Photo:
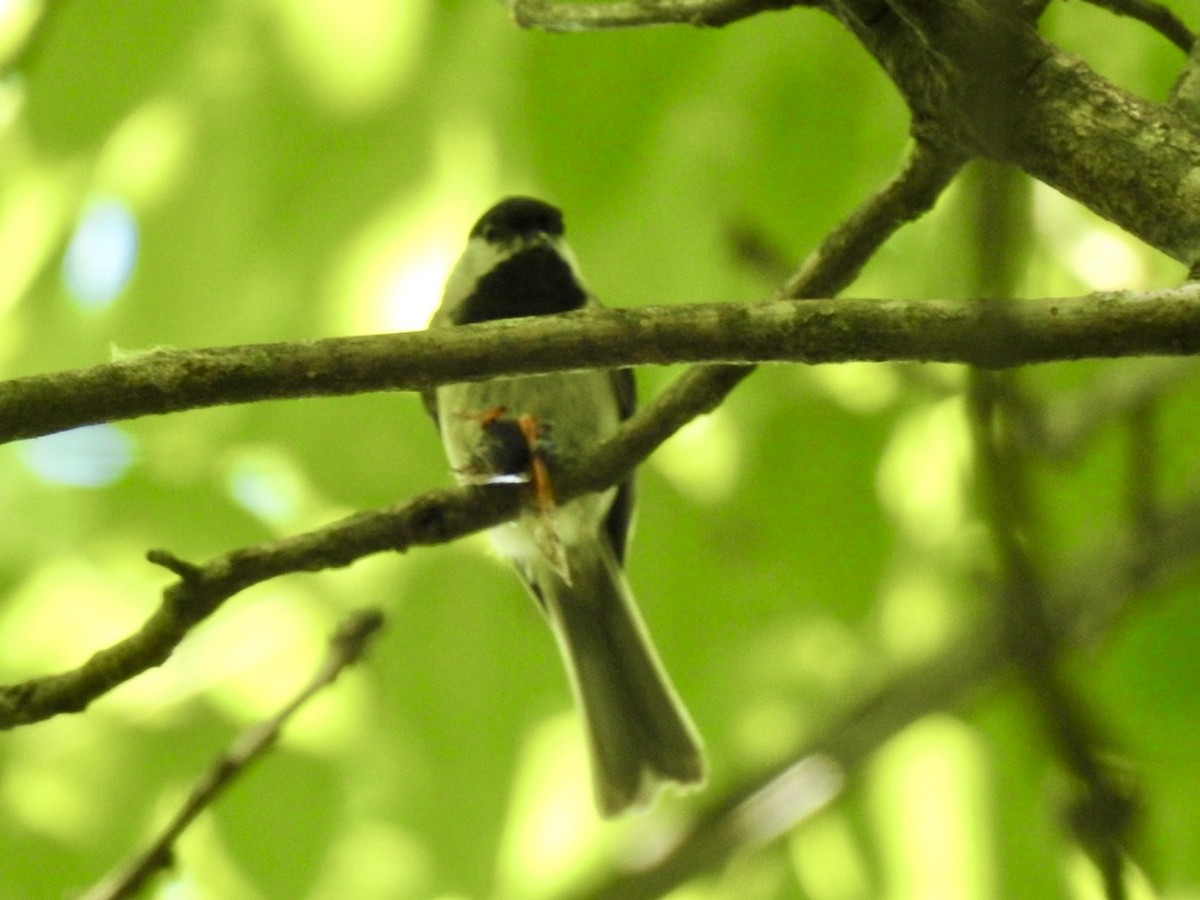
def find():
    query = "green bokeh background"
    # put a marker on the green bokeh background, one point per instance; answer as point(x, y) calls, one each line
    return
point(305, 169)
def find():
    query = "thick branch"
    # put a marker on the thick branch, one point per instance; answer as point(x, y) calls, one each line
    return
point(988, 334)
point(1135, 163)
point(979, 78)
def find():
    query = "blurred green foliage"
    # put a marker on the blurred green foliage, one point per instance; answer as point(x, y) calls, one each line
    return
point(302, 169)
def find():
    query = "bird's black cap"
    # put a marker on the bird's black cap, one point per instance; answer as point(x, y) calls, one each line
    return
point(516, 217)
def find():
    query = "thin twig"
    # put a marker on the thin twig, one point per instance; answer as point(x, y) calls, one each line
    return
point(433, 517)
point(175, 380)
point(346, 646)
point(547, 15)
point(839, 259)
point(1156, 16)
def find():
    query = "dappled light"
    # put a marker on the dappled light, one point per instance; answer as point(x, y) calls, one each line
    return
point(93, 456)
point(548, 838)
point(924, 476)
point(932, 778)
point(703, 459)
point(102, 253)
point(1091, 250)
point(267, 483)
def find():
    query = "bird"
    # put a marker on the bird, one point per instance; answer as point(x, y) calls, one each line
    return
point(640, 736)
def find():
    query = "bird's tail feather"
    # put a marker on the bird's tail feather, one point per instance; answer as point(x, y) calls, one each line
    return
point(639, 734)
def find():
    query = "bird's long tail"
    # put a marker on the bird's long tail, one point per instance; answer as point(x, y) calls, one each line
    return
point(639, 734)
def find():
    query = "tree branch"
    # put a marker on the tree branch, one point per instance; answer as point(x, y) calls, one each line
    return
point(547, 15)
point(1185, 92)
point(839, 259)
point(346, 646)
point(1156, 16)
point(980, 79)
point(992, 334)
point(431, 518)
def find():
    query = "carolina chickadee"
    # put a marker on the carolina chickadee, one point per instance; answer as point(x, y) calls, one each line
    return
point(517, 263)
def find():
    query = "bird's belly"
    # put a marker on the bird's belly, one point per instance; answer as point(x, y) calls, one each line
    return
point(574, 412)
